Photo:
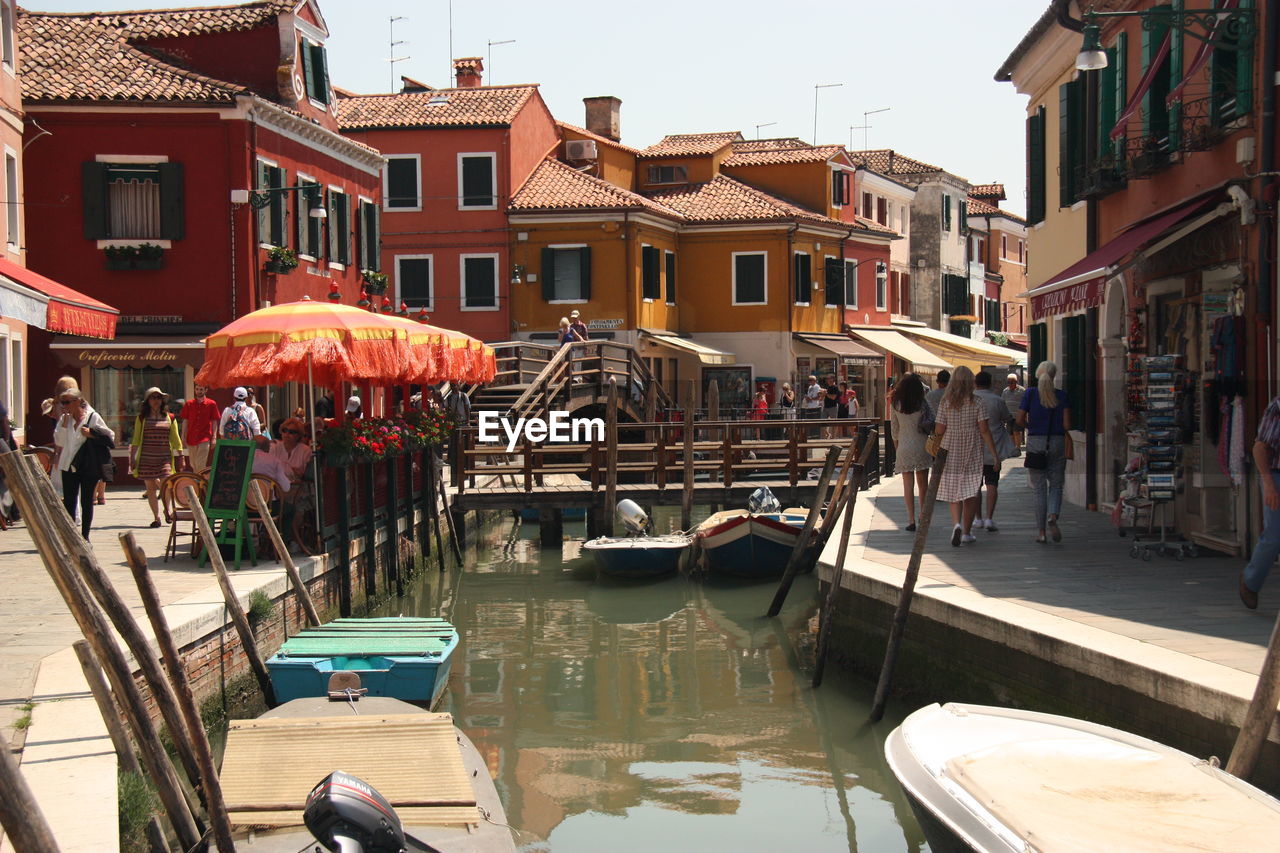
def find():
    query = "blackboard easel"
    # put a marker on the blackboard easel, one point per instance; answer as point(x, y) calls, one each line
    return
point(224, 497)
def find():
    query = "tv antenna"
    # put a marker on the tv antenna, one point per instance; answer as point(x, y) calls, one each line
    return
point(392, 59)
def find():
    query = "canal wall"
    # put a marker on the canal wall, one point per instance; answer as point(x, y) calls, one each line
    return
point(963, 646)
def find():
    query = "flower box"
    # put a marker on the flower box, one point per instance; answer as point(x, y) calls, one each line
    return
point(278, 267)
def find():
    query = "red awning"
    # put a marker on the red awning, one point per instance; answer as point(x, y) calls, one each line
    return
point(70, 311)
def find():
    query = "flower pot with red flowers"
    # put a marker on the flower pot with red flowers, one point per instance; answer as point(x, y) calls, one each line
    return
point(281, 260)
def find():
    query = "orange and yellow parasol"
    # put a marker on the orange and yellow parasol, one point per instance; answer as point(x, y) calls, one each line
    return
point(443, 355)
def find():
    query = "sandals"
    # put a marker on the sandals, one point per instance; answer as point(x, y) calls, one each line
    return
point(155, 523)
point(1054, 532)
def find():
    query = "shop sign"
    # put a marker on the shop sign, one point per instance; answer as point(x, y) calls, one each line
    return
point(1086, 294)
point(605, 324)
point(75, 320)
point(126, 357)
point(139, 319)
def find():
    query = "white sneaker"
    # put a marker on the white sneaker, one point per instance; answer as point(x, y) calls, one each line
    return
point(969, 539)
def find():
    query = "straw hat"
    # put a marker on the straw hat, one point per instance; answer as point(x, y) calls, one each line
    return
point(164, 398)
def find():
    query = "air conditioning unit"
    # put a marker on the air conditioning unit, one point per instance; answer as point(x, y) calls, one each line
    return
point(580, 149)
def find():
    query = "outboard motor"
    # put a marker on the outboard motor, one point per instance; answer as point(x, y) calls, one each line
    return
point(763, 501)
point(633, 517)
point(347, 815)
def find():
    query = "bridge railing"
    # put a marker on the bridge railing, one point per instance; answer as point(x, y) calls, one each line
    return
point(585, 370)
point(656, 453)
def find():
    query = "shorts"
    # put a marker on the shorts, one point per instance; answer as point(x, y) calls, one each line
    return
point(990, 475)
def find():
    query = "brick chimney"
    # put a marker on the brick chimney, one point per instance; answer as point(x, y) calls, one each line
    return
point(467, 70)
point(602, 116)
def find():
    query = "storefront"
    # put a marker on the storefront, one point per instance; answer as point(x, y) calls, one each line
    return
point(903, 354)
point(672, 357)
point(856, 363)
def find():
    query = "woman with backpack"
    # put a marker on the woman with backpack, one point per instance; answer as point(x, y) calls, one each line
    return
point(155, 446)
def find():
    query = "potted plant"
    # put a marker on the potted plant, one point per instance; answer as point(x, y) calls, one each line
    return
point(149, 257)
point(281, 259)
point(121, 257)
point(375, 282)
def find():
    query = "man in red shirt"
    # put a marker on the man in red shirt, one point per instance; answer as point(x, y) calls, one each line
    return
point(199, 414)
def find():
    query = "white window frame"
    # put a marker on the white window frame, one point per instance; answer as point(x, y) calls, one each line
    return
point(253, 180)
point(462, 282)
point(493, 174)
point(733, 273)
point(9, 37)
point(850, 305)
point(809, 288)
point(13, 201)
point(566, 301)
point(882, 286)
point(431, 277)
point(386, 183)
point(300, 199)
point(644, 298)
point(666, 285)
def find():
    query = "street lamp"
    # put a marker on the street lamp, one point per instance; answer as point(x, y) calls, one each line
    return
point(258, 199)
point(1229, 29)
point(816, 87)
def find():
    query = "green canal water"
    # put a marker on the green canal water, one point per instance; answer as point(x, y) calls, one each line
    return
point(664, 716)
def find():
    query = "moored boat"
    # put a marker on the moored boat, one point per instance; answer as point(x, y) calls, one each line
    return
point(638, 556)
point(428, 771)
point(750, 544)
point(399, 657)
point(999, 780)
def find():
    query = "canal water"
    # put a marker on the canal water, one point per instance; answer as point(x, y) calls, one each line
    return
point(664, 716)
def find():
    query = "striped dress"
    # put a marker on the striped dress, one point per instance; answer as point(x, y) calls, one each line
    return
point(155, 456)
point(962, 476)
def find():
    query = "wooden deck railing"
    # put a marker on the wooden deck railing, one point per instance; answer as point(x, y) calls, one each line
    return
point(557, 375)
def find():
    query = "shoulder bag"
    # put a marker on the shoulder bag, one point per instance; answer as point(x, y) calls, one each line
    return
point(1038, 460)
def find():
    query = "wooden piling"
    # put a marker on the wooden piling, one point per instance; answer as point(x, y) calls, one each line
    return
point(433, 500)
point(51, 528)
point(908, 587)
point(802, 542)
point(393, 531)
point(1261, 714)
point(241, 622)
point(455, 533)
point(111, 712)
point(370, 536)
point(290, 568)
point(344, 542)
point(20, 814)
point(686, 500)
point(611, 454)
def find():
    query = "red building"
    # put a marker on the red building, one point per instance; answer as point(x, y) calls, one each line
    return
point(169, 156)
point(454, 159)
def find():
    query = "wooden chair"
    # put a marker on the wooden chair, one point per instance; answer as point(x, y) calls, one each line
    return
point(173, 495)
point(44, 455)
point(275, 509)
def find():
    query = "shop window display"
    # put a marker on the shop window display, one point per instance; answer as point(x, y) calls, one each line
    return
point(116, 394)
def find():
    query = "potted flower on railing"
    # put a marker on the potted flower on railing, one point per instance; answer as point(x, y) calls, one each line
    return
point(121, 257)
point(281, 259)
point(149, 257)
point(374, 439)
point(375, 282)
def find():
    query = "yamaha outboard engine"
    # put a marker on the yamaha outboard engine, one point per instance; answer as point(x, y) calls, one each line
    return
point(763, 501)
point(633, 517)
point(347, 815)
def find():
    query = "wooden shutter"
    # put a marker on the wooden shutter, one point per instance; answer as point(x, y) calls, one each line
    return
point(584, 267)
point(904, 294)
point(172, 208)
point(1120, 94)
point(477, 181)
point(279, 208)
point(749, 278)
point(946, 212)
point(304, 47)
point(1175, 77)
point(1037, 348)
point(1244, 70)
point(320, 71)
point(833, 278)
point(373, 227)
point(651, 285)
point(548, 274)
point(315, 227)
point(1070, 141)
point(955, 294)
point(802, 273)
point(882, 211)
point(93, 190)
point(671, 277)
point(1035, 167)
point(402, 182)
point(300, 223)
point(962, 220)
point(335, 226)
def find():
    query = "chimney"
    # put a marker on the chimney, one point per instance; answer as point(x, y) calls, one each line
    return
point(602, 116)
point(467, 70)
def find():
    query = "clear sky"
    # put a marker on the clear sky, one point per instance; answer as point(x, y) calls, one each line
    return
point(685, 67)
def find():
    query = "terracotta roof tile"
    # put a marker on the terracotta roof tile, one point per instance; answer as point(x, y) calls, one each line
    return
point(889, 162)
point(989, 191)
point(769, 144)
point(722, 199)
point(691, 144)
point(873, 226)
point(553, 186)
point(173, 23)
point(81, 58)
point(980, 207)
point(775, 155)
point(582, 131)
point(471, 106)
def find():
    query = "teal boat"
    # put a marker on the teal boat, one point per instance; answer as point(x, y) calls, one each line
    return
point(400, 657)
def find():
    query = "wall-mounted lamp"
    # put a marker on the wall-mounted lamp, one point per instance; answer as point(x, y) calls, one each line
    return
point(258, 199)
point(1229, 29)
point(517, 273)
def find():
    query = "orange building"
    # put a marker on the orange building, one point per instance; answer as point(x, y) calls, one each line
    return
point(997, 241)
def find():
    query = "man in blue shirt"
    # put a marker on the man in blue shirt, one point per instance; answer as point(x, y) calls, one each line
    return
point(1266, 455)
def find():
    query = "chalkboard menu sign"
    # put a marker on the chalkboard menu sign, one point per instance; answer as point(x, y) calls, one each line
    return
point(229, 479)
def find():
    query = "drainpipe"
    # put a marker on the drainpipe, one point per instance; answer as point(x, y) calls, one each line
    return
point(1092, 118)
point(791, 294)
point(255, 270)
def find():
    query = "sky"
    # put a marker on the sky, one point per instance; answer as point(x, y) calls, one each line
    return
point(696, 66)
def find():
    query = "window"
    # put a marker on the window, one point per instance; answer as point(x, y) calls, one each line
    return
point(963, 218)
point(310, 230)
point(882, 287)
point(904, 218)
point(667, 174)
point(272, 219)
point(650, 273)
point(1004, 246)
point(955, 294)
point(993, 315)
point(369, 231)
point(946, 212)
point(1020, 259)
point(339, 227)
point(6, 33)
point(866, 206)
point(1035, 167)
point(750, 286)
point(904, 294)
point(13, 217)
point(414, 281)
point(479, 282)
point(1070, 141)
point(850, 283)
point(841, 193)
point(802, 271)
point(114, 391)
point(566, 273)
point(834, 276)
point(1037, 346)
point(401, 187)
point(132, 201)
point(315, 71)
point(476, 180)
point(17, 387)
point(1159, 121)
point(882, 210)
point(1111, 96)
point(1230, 74)
point(671, 278)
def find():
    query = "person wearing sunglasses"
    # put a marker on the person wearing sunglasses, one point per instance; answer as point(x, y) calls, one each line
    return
point(84, 443)
point(155, 448)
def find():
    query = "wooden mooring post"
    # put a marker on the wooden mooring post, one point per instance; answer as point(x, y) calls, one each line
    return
point(611, 454)
point(290, 568)
point(802, 541)
point(20, 814)
point(1261, 713)
point(899, 625)
point(344, 543)
point(686, 500)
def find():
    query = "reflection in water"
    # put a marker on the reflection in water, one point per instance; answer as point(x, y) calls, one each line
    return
point(665, 715)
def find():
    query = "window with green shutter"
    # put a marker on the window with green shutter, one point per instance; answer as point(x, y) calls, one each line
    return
point(1075, 351)
point(479, 282)
point(339, 225)
point(273, 219)
point(476, 181)
point(1037, 348)
point(1035, 167)
point(1230, 74)
point(955, 294)
point(566, 273)
point(308, 230)
point(1155, 115)
point(414, 281)
point(402, 187)
point(802, 277)
point(133, 201)
point(370, 236)
point(946, 212)
point(650, 273)
point(671, 278)
point(315, 70)
point(833, 277)
point(1071, 148)
point(749, 283)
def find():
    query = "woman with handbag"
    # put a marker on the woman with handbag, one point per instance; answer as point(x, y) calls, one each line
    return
point(84, 443)
point(907, 417)
point(154, 448)
point(1045, 415)
point(962, 427)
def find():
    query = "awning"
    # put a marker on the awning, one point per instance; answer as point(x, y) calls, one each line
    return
point(898, 344)
point(992, 353)
point(131, 351)
point(1080, 285)
point(23, 303)
point(848, 349)
point(705, 354)
point(69, 311)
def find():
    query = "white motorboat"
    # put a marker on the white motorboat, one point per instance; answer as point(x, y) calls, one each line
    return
point(999, 780)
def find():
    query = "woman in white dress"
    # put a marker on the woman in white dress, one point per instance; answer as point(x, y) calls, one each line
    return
point(911, 460)
point(962, 424)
